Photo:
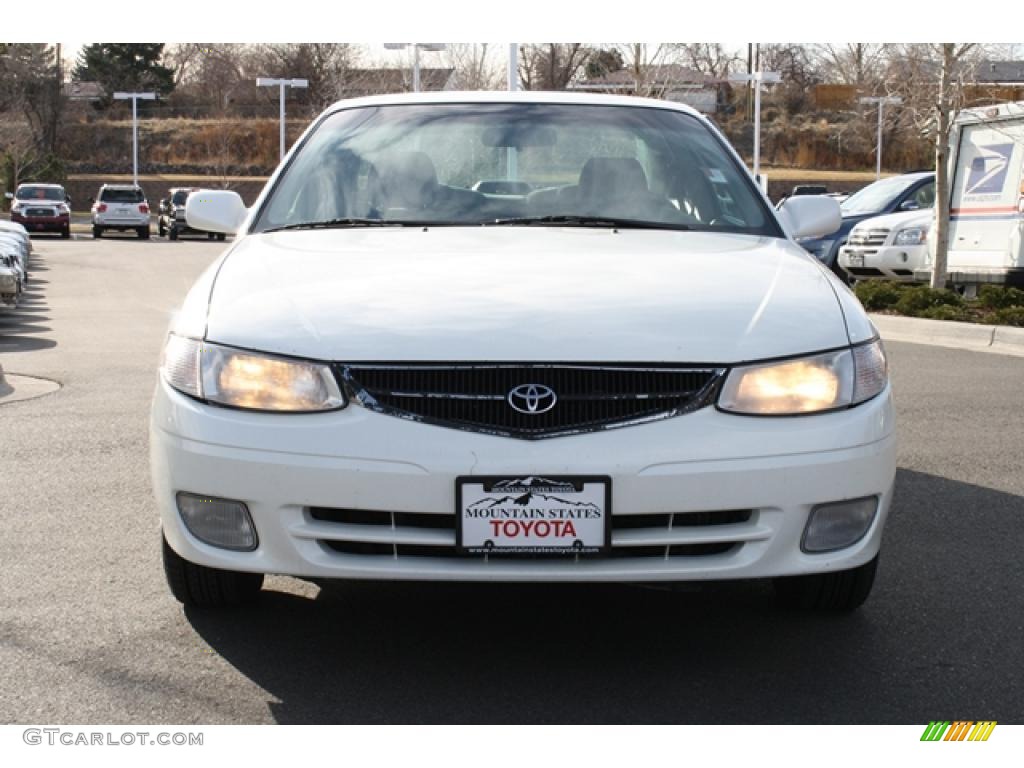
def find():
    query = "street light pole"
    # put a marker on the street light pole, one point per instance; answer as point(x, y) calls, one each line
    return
point(281, 83)
point(513, 66)
point(757, 78)
point(134, 97)
point(881, 101)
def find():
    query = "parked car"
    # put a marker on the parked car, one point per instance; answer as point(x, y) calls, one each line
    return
point(890, 247)
point(11, 244)
point(986, 151)
point(121, 207)
point(18, 232)
point(909, 192)
point(11, 282)
point(171, 220)
point(615, 379)
point(41, 208)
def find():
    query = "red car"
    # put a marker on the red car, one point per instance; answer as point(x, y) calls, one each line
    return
point(42, 208)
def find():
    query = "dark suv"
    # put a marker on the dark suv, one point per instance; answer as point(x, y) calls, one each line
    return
point(41, 208)
point(171, 221)
point(909, 192)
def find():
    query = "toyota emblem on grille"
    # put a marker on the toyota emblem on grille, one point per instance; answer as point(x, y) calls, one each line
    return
point(532, 398)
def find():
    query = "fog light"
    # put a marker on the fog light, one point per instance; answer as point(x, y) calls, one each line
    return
point(839, 524)
point(218, 522)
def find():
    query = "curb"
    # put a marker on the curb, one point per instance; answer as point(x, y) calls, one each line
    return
point(998, 339)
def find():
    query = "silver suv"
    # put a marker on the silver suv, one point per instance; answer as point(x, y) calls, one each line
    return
point(121, 207)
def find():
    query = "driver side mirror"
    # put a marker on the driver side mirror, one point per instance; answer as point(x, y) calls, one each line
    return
point(9, 195)
point(810, 216)
point(215, 211)
point(910, 205)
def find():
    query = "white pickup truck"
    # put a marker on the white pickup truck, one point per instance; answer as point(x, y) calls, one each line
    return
point(986, 206)
point(889, 247)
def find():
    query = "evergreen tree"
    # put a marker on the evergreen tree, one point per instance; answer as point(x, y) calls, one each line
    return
point(124, 67)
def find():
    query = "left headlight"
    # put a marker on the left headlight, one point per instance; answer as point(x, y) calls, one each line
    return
point(250, 380)
point(911, 236)
point(813, 384)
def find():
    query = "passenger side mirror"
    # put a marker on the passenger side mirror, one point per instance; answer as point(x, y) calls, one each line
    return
point(810, 216)
point(215, 211)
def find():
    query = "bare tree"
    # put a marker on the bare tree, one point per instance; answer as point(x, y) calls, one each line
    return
point(474, 65)
point(712, 59)
point(31, 95)
point(324, 65)
point(932, 79)
point(649, 66)
point(860, 64)
point(551, 66)
point(953, 56)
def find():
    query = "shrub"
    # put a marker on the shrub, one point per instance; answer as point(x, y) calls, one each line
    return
point(1000, 297)
point(916, 300)
point(877, 294)
point(1011, 316)
point(945, 312)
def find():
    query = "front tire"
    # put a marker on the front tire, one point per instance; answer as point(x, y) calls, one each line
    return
point(835, 591)
point(199, 586)
point(65, 233)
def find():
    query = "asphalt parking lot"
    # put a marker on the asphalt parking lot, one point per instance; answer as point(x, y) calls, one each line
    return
point(90, 634)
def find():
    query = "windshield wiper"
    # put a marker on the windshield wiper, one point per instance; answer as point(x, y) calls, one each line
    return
point(609, 222)
point(349, 222)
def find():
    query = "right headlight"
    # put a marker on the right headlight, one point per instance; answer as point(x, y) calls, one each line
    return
point(251, 380)
point(911, 236)
point(813, 384)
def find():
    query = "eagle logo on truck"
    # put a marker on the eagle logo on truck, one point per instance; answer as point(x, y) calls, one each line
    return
point(988, 170)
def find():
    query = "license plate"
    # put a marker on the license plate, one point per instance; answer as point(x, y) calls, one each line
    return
point(533, 514)
point(855, 259)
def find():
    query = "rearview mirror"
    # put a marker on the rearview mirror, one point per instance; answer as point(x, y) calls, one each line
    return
point(215, 211)
point(518, 136)
point(810, 216)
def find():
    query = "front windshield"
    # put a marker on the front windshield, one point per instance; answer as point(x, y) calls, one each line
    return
point(40, 193)
point(515, 164)
point(874, 198)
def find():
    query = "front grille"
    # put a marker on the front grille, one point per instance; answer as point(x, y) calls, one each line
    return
point(47, 212)
point(478, 397)
point(379, 533)
point(873, 237)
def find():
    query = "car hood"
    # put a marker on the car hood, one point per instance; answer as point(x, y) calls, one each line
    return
point(898, 220)
point(523, 294)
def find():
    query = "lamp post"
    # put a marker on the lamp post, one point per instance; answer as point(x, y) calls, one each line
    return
point(416, 48)
point(757, 78)
point(881, 101)
point(513, 66)
point(282, 83)
point(134, 97)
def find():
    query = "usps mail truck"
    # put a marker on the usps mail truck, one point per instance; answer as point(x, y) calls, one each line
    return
point(986, 207)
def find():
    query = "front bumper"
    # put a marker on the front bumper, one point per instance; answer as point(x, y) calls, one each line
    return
point(43, 223)
point(892, 262)
point(283, 466)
